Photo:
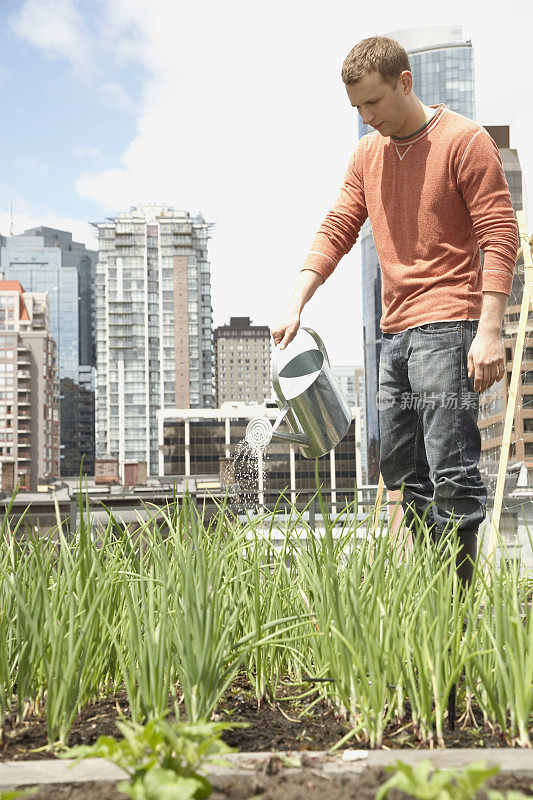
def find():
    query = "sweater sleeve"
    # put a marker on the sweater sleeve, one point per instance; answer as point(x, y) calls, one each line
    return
point(340, 229)
point(483, 186)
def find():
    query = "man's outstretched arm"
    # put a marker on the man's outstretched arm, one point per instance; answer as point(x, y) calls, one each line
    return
point(285, 329)
point(335, 238)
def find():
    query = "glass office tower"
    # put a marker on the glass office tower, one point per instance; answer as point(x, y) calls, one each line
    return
point(442, 62)
point(47, 260)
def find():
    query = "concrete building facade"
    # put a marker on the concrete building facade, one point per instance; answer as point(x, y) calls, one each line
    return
point(242, 361)
point(29, 395)
point(206, 442)
point(153, 327)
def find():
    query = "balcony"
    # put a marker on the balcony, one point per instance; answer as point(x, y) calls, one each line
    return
point(122, 310)
point(24, 374)
point(124, 239)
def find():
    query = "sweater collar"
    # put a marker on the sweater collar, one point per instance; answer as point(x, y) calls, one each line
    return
point(424, 130)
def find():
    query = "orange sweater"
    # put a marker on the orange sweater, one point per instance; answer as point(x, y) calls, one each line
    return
point(433, 200)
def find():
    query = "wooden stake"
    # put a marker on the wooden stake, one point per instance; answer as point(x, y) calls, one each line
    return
point(527, 299)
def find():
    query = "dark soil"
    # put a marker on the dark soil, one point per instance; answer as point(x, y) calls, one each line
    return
point(283, 725)
point(288, 784)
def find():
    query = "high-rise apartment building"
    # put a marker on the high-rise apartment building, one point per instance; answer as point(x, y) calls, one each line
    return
point(153, 327)
point(29, 415)
point(442, 62)
point(242, 361)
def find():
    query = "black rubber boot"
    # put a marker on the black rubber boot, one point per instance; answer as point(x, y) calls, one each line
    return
point(466, 556)
point(465, 568)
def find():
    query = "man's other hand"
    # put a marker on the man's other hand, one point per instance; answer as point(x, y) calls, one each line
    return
point(485, 360)
point(286, 328)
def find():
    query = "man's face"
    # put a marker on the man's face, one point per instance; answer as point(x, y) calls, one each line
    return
point(381, 106)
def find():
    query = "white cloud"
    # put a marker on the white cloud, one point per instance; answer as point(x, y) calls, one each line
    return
point(29, 215)
point(94, 44)
point(57, 28)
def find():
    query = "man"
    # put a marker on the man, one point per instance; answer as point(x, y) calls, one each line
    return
point(432, 184)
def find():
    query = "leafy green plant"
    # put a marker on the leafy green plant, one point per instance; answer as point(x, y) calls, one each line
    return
point(18, 794)
point(447, 784)
point(162, 759)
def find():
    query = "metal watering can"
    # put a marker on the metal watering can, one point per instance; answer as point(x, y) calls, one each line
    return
point(310, 400)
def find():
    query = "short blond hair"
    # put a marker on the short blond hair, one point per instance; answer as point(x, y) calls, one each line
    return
point(375, 54)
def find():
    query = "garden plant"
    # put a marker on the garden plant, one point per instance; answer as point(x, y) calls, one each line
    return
point(173, 608)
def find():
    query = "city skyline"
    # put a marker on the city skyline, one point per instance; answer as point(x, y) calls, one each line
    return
point(218, 126)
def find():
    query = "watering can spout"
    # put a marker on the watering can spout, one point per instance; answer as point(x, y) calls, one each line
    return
point(260, 432)
point(293, 438)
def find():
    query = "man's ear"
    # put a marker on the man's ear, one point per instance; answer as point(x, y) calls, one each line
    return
point(406, 79)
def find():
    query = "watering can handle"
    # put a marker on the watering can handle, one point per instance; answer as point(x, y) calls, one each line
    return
point(314, 335)
point(319, 342)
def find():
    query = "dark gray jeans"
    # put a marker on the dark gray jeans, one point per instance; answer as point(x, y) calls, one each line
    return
point(429, 437)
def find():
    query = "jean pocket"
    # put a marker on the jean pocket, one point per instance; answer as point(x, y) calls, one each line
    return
point(440, 327)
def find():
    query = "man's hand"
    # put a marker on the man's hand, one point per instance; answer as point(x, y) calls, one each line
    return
point(285, 330)
point(485, 360)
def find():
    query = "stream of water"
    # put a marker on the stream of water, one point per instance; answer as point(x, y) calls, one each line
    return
point(245, 476)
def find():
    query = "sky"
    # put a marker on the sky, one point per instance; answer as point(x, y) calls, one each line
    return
point(233, 109)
